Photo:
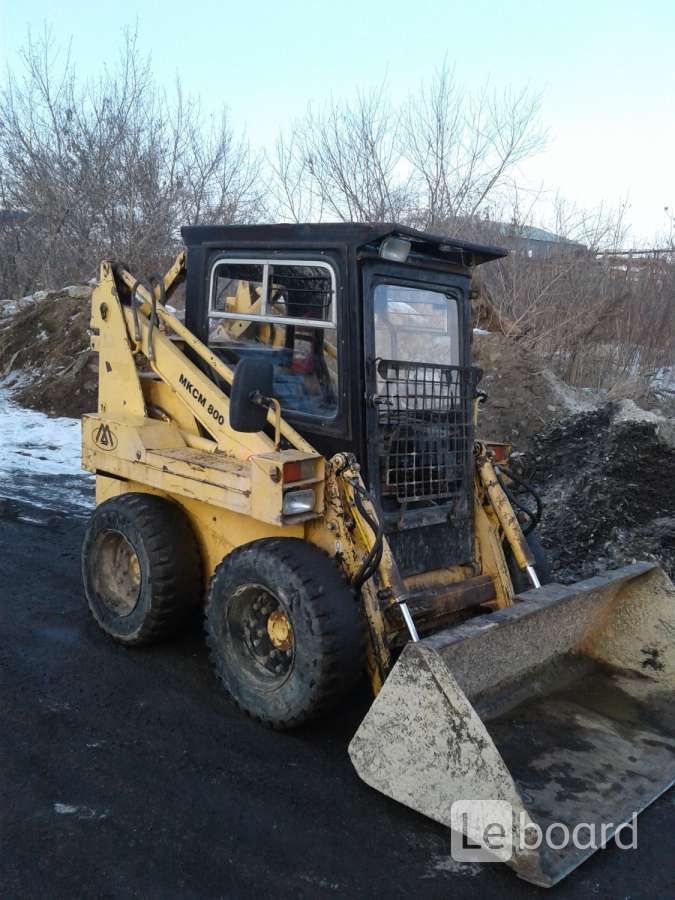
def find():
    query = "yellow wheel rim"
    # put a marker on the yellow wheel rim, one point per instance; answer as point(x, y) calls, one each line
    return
point(279, 630)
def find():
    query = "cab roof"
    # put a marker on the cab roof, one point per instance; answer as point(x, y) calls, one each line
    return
point(357, 235)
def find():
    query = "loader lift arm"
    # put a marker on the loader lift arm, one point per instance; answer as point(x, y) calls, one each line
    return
point(165, 360)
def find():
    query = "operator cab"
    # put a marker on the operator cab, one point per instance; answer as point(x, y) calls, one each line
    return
point(368, 329)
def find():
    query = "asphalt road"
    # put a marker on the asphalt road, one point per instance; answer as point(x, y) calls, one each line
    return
point(127, 773)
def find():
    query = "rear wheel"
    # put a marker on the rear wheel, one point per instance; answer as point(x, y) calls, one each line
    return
point(286, 634)
point(141, 568)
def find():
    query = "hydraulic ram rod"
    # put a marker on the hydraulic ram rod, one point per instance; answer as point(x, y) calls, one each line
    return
point(507, 518)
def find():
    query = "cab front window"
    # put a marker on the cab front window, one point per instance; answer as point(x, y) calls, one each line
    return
point(416, 325)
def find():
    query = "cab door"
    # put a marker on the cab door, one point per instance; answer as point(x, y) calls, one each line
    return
point(419, 391)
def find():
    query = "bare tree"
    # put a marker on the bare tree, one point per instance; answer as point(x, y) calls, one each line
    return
point(600, 316)
point(437, 162)
point(111, 167)
point(343, 161)
point(296, 200)
point(463, 148)
point(115, 166)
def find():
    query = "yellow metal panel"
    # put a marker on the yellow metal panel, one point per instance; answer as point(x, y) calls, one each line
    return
point(208, 404)
point(155, 452)
point(119, 391)
point(169, 483)
point(177, 484)
point(127, 438)
point(268, 487)
point(161, 398)
point(222, 468)
point(491, 556)
point(176, 273)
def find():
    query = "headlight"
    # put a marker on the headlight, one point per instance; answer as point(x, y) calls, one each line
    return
point(395, 248)
point(298, 502)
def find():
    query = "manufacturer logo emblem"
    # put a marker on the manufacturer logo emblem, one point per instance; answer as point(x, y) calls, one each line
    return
point(104, 437)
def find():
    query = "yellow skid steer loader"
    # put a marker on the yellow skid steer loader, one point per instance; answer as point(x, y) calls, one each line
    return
point(301, 449)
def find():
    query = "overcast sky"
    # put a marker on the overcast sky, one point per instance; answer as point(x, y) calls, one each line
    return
point(606, 69)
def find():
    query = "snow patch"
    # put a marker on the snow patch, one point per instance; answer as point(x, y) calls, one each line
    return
point(30, 439)
point(571, 398)
point(82, 812)
point(64, 809)
point(629, 411)
point(664, 379)
point(40, 456)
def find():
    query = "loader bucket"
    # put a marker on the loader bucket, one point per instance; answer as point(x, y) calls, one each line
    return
point(561, 706)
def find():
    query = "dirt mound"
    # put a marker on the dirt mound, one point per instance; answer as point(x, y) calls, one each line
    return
point(45, 359)
point(523, 395)
point(605, 479)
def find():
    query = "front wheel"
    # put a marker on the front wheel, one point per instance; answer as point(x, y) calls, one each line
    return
point(285, 632)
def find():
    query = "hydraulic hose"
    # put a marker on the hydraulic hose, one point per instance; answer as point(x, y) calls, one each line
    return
point(154, 319)
point(534, 518)
point(134, 312)
point(374, 556)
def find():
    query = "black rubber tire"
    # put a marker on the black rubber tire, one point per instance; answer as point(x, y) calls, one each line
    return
point(170, 576)
point(328, 631)
point(542, 566)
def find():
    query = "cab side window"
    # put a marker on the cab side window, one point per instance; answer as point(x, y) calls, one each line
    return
point(283, 311)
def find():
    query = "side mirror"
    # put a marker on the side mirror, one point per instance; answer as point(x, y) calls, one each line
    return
point(253, 380)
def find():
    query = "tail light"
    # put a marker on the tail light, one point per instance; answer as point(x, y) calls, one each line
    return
point(298, 470)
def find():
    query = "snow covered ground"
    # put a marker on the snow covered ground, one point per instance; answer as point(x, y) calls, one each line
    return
point(40, 460)
point(664, 379)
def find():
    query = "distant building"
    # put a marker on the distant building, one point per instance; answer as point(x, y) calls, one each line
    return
point(525, 240)
point(538, 243)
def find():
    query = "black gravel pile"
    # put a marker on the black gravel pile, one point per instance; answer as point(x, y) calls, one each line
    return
point(608, 490)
